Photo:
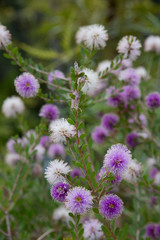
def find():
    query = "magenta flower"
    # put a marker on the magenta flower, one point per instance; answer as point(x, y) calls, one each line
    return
point(55, 150)
point(44, 141)
point(59, 191)
point(111, 206)
point(27, 85)
point(150, 230)
point(99, 134)
point(110, 120)
point(49, 111)
point(79, 200)
point(76, 172)
point(132, 139)
point(153, 100)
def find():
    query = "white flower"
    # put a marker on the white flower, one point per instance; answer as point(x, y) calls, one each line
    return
point(12, 106)
point(12, 159)
point(152, 43)
point(130, 47)
point(151, 162)
point(5, 36)
point(102, 66)
point(143, 135)
point(92, 229)
point(55, 170)
point(91, 82)
point(61, 213)
point(39, 152)
point(157, 179)
point(61, 130)
point(133, 172)
point(93, 36)
point(141, 71)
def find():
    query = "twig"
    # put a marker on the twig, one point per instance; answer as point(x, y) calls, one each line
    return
point(8, 225)
point(45, 234)
point(109, 228)
point(138, 212)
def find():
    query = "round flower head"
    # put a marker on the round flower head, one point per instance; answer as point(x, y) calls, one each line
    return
point(5, 36)
point(132, 139)
point(117, 159)
point(44, 141)
point(11, 145)
point(61, 213)
point(153, 100)
point(142, 72)
point(111, 206)
point(99, 134)
point(134, 171)
point(152, 43)
point(157, 231)
point(102, 66)
point(49, 111)
point(56, 150)
point(115, 98)
point(92, 229)
point(76, 172)
point(92, 36)
point(110, 120)
point(27, 85)
point(91, 83)
point(12, 106)
point(130, 93)
point(61, 130)
point(55, 171)
point(130, 47)
point(150, 230)
point(78, 200)
point(59, 191)
point(130, 76)
point(104, 173)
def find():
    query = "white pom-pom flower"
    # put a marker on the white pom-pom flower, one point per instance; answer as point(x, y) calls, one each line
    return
point(5, 36)
point(134, 171)
point(92, 36)
point(130, 47)
point(152, 43)
point(141, 71)
point(55, 171)
point(91, 82)
point(60, 130)
point(12, 106)
point(61, 213)
point(92, 229)
point(102, 66)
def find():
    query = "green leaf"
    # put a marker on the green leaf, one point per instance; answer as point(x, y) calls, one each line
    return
point(70, 121)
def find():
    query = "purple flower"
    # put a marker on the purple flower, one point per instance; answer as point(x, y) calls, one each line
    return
point(143, 119)
point(59, 191)
point(99, 134)
point(76, 172)
point(115, 99)
point(150, 230)
point(44, 141)
point(131, 93)
point(132, 139)
point(92, 229)
point(153, 201)
point(111, 206)
point(26, 85)
point(49, 111)
point(10, 145)
point(157, 231)
point(153, 172)
point(105, 173)
point(55, 74)
point(56, 150)
point(79, 200)
point(130, 75)
point(117, 158)
point(110, 120)
point(153, 100)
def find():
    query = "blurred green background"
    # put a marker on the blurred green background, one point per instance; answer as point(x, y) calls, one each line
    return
point(45, 31)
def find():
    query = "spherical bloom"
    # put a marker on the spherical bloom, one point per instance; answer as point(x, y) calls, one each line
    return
point(10, 145)
point(130, 47)
point(37, 170)
point(157, 231)
point(93, 36)
point(59, 191)
point(110, 120)
point(61, 130)
point(12, 106)
point(79, 200)
point(153, 100)
point(130, 76)
point(134, 171)
point(111, 206)
point(92, 229)
point(115, 98)
point(104, 173)
point(99, 134)
point(117, 159)
point(44, 141)
point(56, 150)
point(141, 71)
point(152, 43)
point(26, 85)
point(55, 171)
point(61, 213)
point(12, 159)
point(130, 93)
point(39, 152)
point(76, 172)
point(102, 66)
point(126, 63)
point(91, 83)
point(5, 36)
point(49, 111)
point(132, 139)
point(153, 172)
point(150, 230)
